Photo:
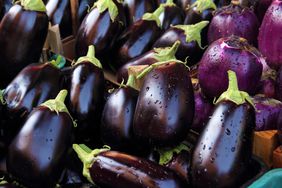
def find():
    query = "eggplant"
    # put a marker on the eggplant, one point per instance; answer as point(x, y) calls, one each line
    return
point(184, 4)
point(101, 26)
point(138, 38)
point(41, 145)
point(148, 58)
point(7, 4)
point(234, 20)
point(83, 8)
point(231, 53)
point(135, 9)
point(115, 169)
point(87, 95)
point(23, 31)
point(7, 185)
point(190, 38)
point(224, 150)
point(269, 40)
point(165, 107)
point(278, 85)
point(59, 13)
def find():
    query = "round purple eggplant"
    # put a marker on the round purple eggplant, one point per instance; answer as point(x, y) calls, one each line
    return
point(114, 169)
point(165, 107)
point(23, 31)
point(234, 20)
point(190, 38)
point(87, 95)
point(224, 149)
point(100, 28)
point(36, 156)
point(231, 53)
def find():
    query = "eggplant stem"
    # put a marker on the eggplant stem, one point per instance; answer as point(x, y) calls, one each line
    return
point(33, 5)
point(155, 15)
point(202, 5)
point(90, 57)
point(57, 62)
point(164, 54)
point(62, 96)
point(131, 81)
point(2, 100)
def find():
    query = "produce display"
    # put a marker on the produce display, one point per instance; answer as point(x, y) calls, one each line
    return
point(140, 93)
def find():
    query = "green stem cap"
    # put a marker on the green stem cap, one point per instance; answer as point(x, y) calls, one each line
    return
point(90, 57)
point(155, 15)
point(166, 155)
point(202, 5)
point(2, 101)
point(103, 5)
point(33, 5)
point(233, 93)
point(131, 81)
point(164, 54)
point(193, 32)
point(59, 62)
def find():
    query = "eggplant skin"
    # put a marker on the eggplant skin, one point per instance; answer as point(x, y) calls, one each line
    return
point(113, 169)
point(22, 36)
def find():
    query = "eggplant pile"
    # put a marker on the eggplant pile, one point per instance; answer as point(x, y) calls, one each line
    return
point(146, 93)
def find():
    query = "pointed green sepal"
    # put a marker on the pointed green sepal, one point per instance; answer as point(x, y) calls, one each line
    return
point(202, 5)
point(164, 54)
point(88, 157)
point(131, 81)
point(33, 5)
point(166, 155)
point(103, 5)
point(233, 93)
point(154, 16)
point(193, 32)
point(90, 57)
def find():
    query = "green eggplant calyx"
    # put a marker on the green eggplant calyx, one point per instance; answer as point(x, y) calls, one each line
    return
point(88, 157)
point(155, 15)
point(131, 81)
point(90, 57)
point(193, 32)
point(103, 5)
point(233, 93)
point(164, 54)
point(166, 155)
point(2, 100)
point(33, 5)
point(59, 62)
point(202, 5)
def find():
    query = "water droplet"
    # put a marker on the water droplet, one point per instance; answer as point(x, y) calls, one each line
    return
point(205, 170)
point(212, 159)
point(204, 147)
point(233, 149)
point(147, 88)
point(227, 131)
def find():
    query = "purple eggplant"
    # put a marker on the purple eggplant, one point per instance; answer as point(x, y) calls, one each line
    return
point(224, 149)
point(83, 8)
point(278, 85)
point(23, 31)
point(184, 4)
point(87, 95)
point(150, 57)
point(261, 8)
point(7, 4)
point(41, 145)
point(270, 38)
point(165, 107)
point(114, 169)
point(101, 26)
point(231, 53)
point(4, 184)
point(190, 38)
point(267, 87)
point(234, 20)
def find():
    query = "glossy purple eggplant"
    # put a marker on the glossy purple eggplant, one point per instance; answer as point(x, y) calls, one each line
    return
point(224, 150)
point(87, 95)
point(190, 38)
point(184, 4)
point(23, 31)
point(114, 169)
point(101, 26)
point(59, 13)
point(83, 8)
point(36, 156)
point(165, 106)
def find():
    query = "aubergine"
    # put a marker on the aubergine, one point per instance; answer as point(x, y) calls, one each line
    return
point(83, 8)
point(59, 13)
point(23, 31)
point(101, 26)
point(165, 107)
point(278, 85)
point(115, 169)
point(224, 150)
point(41, 146)
point(87, 95)
point(190, 38)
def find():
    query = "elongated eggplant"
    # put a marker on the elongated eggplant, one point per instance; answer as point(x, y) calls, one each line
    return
point(165, 106)
point(190, 38)
point(83, 8)
point(114, 169)
point(59, 12)
point(23, 32)
point(100, 28)
point(151, 57)
point(138, 38)
point(36, 155)
point(87, 95)
point(223, 153)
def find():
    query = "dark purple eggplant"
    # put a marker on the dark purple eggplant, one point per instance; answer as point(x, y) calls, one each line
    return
point(87, 95)
point(190, 38)
point(151, 57)
point(59, 13)
point(224, 150)
point(7, 4)
point(4, 184)
point(83, 8)
point(222, 3)
point(165, 106)
point(23, 31)
point(184, 4)
point(101, 26)
point(135, 9)
point(36, 156)
point(278, 85)
point(114, 169)
point(267, 87)
point(138, 38)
